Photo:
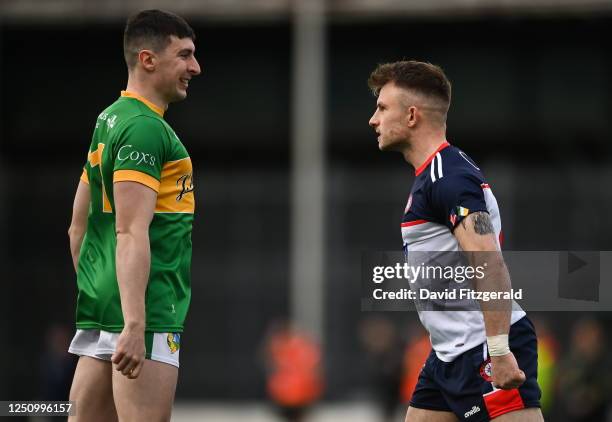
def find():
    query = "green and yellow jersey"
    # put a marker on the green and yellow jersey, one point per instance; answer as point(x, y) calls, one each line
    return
point(132, 142)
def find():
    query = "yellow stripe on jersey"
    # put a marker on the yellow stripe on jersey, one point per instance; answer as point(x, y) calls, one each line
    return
point(136, 176)
point(84, 177)
point(176, 189)
point(95, 159)
point(95, 156)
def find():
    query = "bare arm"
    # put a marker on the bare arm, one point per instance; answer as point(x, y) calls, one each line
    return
point(477, 238)
point(134, 208)
point(78, 225)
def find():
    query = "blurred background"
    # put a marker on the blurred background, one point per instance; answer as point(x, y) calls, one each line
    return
point(291, 188)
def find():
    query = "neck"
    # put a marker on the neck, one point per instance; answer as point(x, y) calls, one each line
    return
point(420, 149)
point(137, 86)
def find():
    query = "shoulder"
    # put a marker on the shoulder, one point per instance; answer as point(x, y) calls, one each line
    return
point(453, 172)
point(446, 163)
point(143, 126)
point(144, 122)
point(453, 162)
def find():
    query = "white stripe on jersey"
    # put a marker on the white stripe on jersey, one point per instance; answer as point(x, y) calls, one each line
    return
point(431, 171)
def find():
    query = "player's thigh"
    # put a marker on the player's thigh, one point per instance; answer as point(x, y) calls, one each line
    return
point(92, 391)
point(532, 414)
point(425, 415)
point(149, 397)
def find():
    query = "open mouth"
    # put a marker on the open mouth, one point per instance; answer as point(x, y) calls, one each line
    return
point(184, 81)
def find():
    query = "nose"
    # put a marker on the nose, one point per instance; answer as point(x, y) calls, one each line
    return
point(194, 67)
point(373, 121)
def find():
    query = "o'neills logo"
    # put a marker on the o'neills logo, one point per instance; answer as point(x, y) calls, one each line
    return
point(185, 182)
point(472, 412)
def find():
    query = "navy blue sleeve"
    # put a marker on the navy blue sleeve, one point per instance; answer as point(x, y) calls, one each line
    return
point(455, 196)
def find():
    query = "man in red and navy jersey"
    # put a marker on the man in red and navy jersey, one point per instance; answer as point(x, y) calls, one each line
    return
point(483, 364)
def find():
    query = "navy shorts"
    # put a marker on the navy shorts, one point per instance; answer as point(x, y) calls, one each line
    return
point(464, 386)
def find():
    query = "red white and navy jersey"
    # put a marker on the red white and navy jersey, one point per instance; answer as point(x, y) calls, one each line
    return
point(447, 188)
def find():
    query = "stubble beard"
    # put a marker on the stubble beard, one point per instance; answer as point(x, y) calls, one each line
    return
point(176, 94)
point(396, 144)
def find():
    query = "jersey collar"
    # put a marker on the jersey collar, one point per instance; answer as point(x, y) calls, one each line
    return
point(431, 157)
point(142, 99)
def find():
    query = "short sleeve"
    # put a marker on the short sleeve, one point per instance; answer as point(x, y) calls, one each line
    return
point(139, 152)
point(454, 197)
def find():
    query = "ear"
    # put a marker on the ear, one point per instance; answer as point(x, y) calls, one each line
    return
point(147, 59)
point(411, 116)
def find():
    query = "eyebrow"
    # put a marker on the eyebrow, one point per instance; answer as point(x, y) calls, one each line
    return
point(186, 50)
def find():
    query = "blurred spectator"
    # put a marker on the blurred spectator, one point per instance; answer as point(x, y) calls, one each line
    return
point(415, 355)
point(384, 350)
point(57, 365)
point(584, 385)
point(294, 380)
point(548, 355)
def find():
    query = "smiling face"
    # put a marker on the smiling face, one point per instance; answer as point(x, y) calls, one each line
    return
point(392, 118)
point(174, 68)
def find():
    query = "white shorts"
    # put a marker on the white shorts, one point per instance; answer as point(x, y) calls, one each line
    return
point(99, 344)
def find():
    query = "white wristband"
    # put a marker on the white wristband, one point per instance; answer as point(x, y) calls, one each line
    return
point(498, 345)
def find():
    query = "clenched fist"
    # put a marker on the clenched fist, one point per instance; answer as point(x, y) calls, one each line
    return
point(505, 372)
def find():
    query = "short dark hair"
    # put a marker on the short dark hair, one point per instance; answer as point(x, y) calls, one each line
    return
point(151, 29)
point(424, 78)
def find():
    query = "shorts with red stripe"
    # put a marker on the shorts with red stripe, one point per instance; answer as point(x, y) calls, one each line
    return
point(464, 386)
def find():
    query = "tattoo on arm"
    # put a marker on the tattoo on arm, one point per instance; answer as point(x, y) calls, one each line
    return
point(482, 223)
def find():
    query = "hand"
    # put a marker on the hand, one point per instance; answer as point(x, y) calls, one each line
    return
point(506, 373)
point(129, 355)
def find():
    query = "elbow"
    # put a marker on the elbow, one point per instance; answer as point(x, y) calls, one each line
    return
point(76, 230)
point(492, 258)
point(131, 231)
point(123, 230)
point(72, 231)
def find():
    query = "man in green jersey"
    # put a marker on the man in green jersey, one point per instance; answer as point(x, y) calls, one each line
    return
point(130, 235)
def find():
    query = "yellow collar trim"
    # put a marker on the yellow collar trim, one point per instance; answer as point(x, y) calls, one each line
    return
point(148, 103)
